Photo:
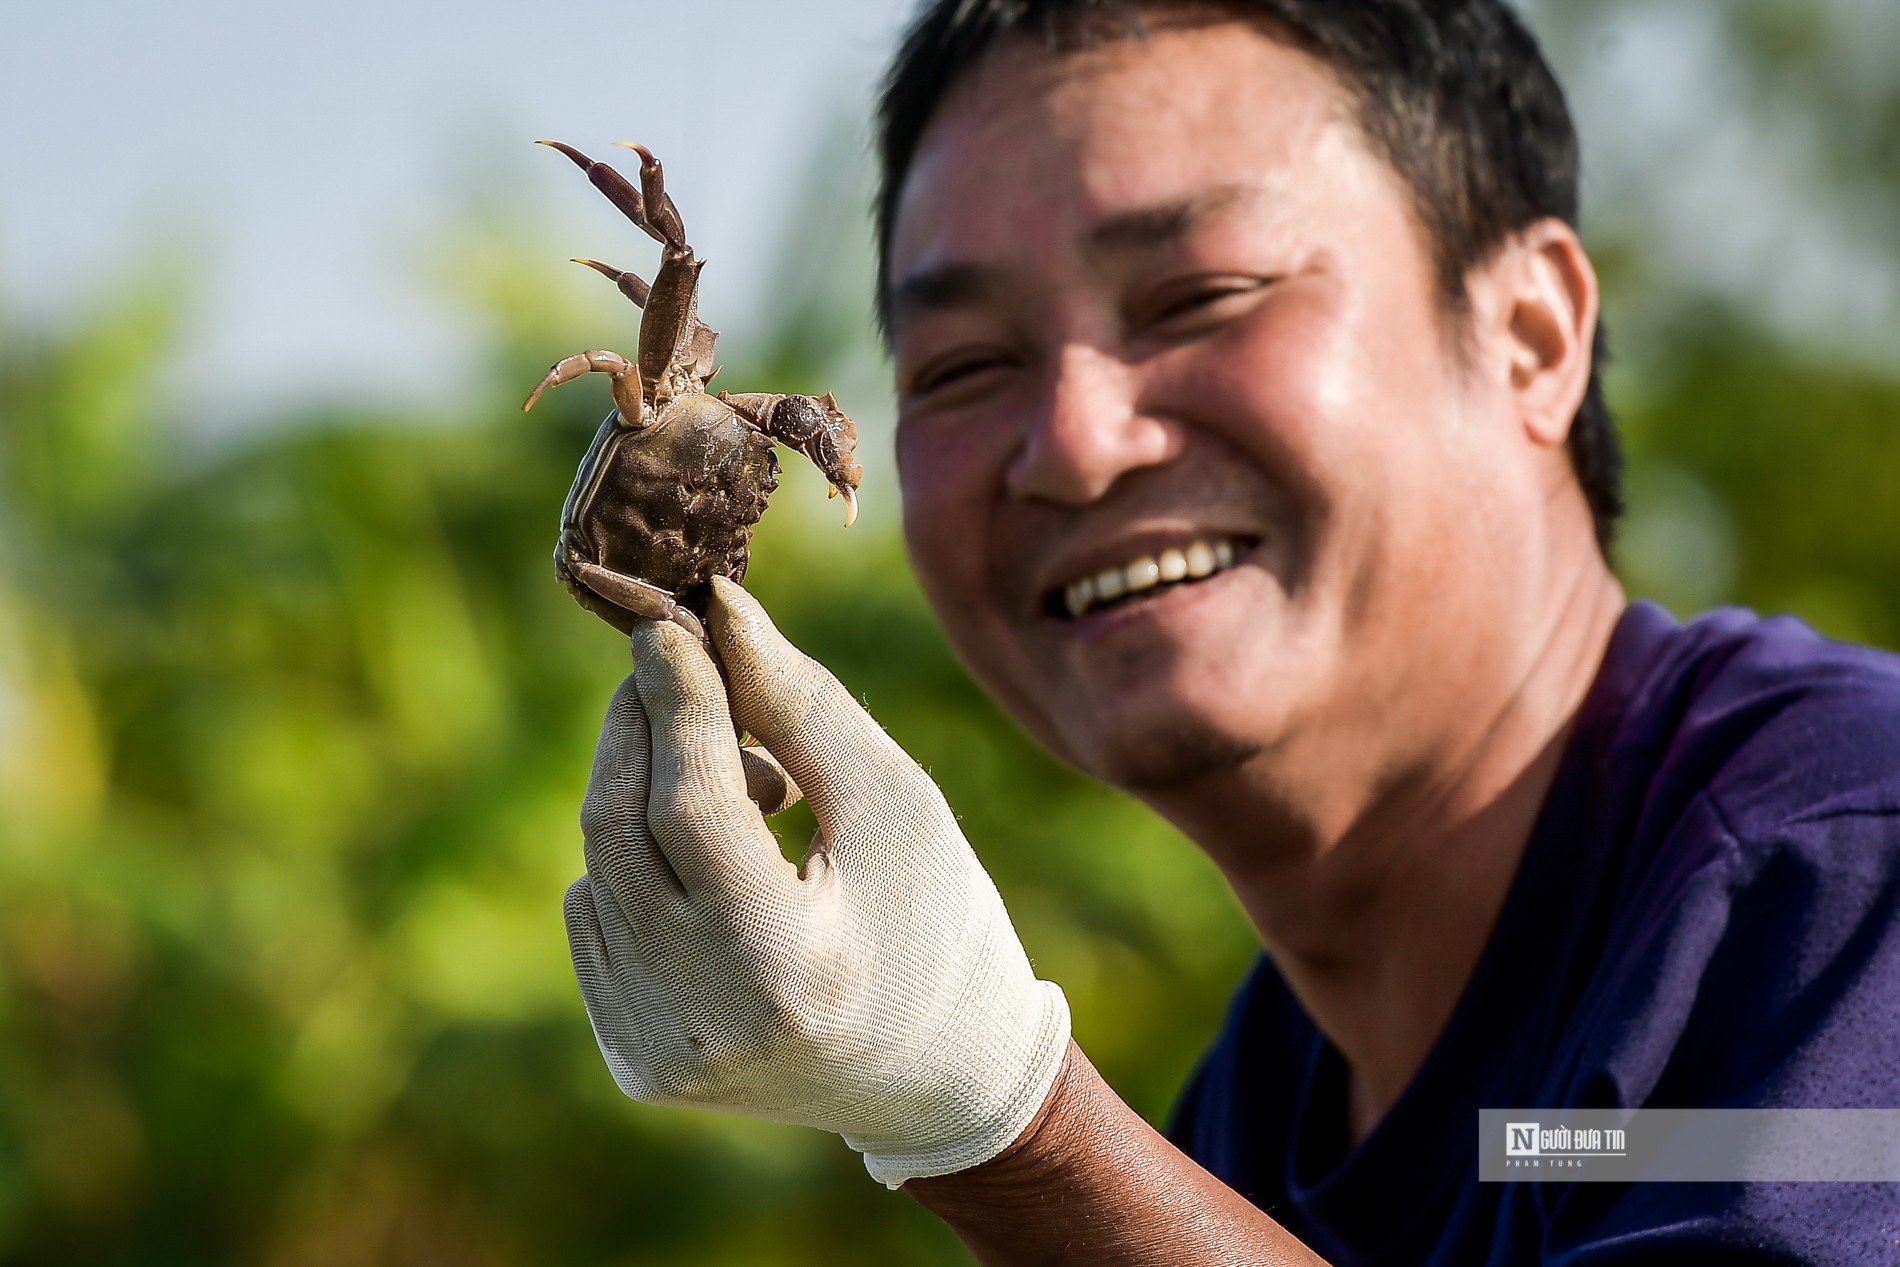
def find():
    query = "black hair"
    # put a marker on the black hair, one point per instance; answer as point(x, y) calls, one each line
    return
point(1453, 94)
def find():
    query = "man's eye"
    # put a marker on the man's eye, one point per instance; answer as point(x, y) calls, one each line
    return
point(961, 369)
point(1205, 301)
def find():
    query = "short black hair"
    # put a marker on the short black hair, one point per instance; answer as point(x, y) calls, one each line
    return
point(1453, 94)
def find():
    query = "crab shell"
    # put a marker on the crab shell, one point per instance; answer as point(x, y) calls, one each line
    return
point(672, 503)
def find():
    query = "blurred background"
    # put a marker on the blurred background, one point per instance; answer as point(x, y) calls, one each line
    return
point(294, 723)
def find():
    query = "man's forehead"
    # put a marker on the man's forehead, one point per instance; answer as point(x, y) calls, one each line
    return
point(1122, 130)
point(1137, 229)
point(1175, 66)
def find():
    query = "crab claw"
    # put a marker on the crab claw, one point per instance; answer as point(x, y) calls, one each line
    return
point(850, 501)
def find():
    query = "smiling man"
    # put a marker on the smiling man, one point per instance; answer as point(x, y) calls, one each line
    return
point(1254, 459)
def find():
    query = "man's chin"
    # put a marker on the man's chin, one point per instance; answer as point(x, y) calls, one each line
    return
point(1169, 760)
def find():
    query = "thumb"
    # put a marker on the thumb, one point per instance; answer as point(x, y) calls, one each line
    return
point(831, 747)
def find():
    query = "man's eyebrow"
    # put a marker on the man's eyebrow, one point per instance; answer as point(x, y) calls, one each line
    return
point(962, 284)
point(1147, 228)
point(956, 285)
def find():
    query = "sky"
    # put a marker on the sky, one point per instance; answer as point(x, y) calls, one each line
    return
point(303, 164)
point(301, 161)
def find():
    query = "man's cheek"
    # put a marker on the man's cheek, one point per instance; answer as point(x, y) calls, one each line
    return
point(939, 528)
point(948, 476)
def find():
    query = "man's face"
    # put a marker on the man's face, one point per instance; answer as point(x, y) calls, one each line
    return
point(1159, 310)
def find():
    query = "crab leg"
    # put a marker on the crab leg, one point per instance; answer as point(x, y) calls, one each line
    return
point(697, 353)
point(670, 330)
point(662, 217)
point(632, 285)
point(632, 598)
point(676, 347)
point(626, 377)
point(814, 426)
point(620, 192)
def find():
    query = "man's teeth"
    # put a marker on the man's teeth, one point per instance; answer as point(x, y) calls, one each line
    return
point(1201, 559)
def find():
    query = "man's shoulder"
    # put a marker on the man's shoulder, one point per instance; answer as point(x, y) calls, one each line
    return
point(1773, 724)
point(1743, 810)
point(1753, 927)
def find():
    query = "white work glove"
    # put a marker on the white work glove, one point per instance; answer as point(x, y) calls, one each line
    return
point(878, 991)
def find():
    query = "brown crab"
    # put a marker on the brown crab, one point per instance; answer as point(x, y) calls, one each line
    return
point(668, 493)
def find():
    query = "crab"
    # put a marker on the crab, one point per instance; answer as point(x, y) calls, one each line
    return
point(675, 478)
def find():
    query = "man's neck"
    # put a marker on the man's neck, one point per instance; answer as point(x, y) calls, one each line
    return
point(1376, 917)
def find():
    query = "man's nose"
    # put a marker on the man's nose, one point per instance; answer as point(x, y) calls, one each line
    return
point(1089, 430)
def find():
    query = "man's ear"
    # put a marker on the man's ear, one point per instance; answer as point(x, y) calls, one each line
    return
point(1540, 304)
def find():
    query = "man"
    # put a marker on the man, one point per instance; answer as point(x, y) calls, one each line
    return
point(1254, 459)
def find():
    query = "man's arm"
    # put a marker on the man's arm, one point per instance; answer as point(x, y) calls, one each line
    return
point(1091, 1182)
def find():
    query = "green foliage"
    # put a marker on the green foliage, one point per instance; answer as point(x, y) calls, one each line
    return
point(1767, 477)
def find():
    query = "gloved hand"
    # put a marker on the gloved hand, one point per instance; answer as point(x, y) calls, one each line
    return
point(878, 990)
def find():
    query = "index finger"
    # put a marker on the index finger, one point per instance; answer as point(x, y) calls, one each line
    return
point(619, 849)
point(697, 807)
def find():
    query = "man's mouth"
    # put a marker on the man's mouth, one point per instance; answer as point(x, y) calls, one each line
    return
point(1146, 575)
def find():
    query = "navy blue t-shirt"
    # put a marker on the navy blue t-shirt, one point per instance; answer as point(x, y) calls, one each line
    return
point(1707, 915)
